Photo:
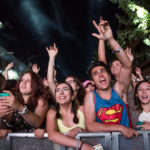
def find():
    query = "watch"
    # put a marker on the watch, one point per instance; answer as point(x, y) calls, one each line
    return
point(25, 110)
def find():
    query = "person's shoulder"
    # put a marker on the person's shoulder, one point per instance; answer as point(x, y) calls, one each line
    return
point(81, 108)
point(51, 112)
point(42, 102)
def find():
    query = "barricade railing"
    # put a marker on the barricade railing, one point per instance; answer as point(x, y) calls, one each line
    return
point(109, 141)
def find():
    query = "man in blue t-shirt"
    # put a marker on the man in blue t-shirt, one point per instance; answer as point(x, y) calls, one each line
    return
point(104, 109)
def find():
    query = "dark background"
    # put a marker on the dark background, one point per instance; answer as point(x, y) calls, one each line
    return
point(35, 24)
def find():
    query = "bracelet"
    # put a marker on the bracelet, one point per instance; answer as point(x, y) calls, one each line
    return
point(78, 145)
point(81, 146)
point(51, 62)
point(117, 50)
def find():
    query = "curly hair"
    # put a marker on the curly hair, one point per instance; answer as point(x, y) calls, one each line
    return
point(81, 91)
point(136, 98)
point(38, 91)
point(74, 105)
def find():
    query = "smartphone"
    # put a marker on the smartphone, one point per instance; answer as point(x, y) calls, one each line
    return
point(4, 94)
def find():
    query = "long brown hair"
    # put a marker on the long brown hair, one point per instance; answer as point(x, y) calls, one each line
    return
point(74, 105)
point(38, 90)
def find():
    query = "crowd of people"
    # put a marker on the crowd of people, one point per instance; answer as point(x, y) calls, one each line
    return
point(112, 99)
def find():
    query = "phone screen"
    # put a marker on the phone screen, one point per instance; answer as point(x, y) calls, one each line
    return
point(4, 94)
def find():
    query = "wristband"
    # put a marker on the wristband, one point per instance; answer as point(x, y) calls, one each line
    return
point(81, 146)
point(52, 62)
point(116, 50)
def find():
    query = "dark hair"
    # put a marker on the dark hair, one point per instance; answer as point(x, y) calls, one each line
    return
point(95, 64)
point(74, 105)
point(10, 85)
point(137, 100)
point(81, 91)
point(38, 90)
point(113, 60)
point(2, 82)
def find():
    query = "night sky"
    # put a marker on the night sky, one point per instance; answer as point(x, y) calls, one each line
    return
point(36, 24)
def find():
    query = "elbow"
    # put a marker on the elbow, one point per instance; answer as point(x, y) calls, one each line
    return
point(89, 128)
point(51, 137)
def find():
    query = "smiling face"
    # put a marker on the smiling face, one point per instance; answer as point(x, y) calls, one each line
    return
point(25, 84)
point(143, 92)
point(63, 94)
point(115, 68)
point(101, 77)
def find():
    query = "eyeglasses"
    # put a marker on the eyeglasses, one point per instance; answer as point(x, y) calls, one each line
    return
point(71, 81)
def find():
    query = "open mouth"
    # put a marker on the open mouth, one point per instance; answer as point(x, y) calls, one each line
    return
point(62, 97)
point(144, 97)
point(102, 81)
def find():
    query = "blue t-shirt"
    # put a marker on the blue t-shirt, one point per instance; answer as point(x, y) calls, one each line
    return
point(112, 111)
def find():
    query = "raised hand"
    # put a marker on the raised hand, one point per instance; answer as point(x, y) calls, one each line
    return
point(130, 55)
point(52, 50)
point(9, 66)
point(138, 71)
point(104, 30)
point(35, 68)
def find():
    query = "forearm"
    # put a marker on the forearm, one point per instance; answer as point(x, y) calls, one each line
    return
point(33, 119)
point(6, 74)
point(122, 56)
point(101, 51)
point(140, 77)
point(57, 137)
point(100, 127)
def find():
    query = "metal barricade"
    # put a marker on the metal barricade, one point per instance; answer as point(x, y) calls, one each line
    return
point(140, 143)
point(109, 141)
point(27, 141)
point(96, 138)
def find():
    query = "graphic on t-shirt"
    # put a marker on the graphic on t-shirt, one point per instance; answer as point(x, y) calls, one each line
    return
point(110, 115)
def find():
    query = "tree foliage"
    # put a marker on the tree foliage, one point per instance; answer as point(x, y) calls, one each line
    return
point(134, 25)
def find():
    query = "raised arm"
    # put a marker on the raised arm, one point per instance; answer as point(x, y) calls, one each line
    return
point(124, 78)
point(101, 43)
point(139, 73)
point(52, 52)
point(9, 66)
point(93, 126)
